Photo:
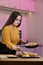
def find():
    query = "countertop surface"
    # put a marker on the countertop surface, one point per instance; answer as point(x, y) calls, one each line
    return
point(5, 58)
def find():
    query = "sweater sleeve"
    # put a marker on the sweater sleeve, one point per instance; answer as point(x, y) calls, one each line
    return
point(6, 38)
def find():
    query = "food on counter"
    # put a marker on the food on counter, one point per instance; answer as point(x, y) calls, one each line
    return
point(33, 54)
point(28, 54)
point(23, 55)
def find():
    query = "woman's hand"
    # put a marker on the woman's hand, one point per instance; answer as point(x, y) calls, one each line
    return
point(16, 48)
point(23, 42)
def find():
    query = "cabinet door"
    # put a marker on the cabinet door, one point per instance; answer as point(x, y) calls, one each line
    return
point(28, 5)
point(14, 4)
point(10, 3)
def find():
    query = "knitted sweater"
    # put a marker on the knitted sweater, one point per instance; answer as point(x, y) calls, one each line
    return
point(10, 36)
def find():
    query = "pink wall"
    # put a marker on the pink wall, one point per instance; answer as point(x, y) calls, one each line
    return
point(23, 27)
point(3, 19)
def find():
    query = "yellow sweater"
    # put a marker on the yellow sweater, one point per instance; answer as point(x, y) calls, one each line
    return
point(10, 36)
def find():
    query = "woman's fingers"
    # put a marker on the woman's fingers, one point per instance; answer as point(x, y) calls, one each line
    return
point(18, 49)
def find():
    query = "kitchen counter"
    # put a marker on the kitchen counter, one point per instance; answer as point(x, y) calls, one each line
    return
point(21, 61)
point(16, 58)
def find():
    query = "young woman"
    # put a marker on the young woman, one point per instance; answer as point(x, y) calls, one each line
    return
point(10, 34)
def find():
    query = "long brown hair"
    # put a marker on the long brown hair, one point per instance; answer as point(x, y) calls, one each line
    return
point(12, 18)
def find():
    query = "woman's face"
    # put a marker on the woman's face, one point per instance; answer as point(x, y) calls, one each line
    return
point(17, 21)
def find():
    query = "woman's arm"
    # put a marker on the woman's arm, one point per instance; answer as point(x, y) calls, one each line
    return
point(21, 42)
point(6, 38)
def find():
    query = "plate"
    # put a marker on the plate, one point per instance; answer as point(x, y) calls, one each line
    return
point(11, 56)
point(8, 56)
point(29, 57)
point(31, 45)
